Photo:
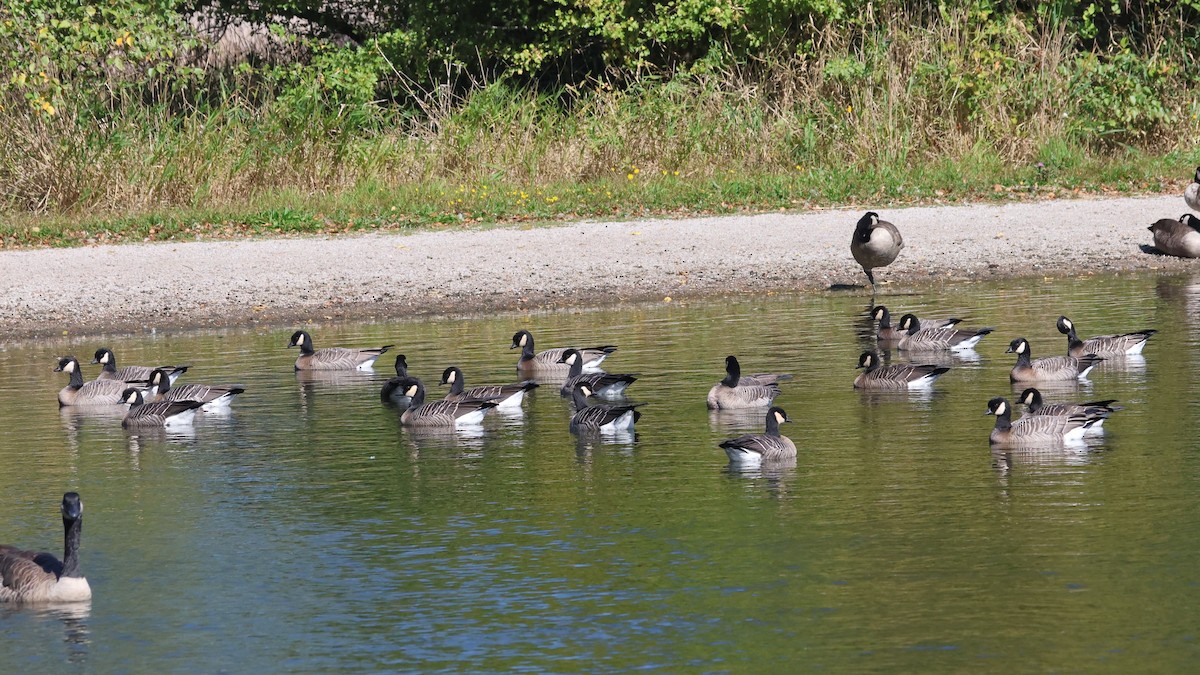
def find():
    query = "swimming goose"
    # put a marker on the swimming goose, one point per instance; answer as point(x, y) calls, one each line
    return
point(1191, 194)
point(29, 577)
point(875, 243)
point(1032, 398)
point(765, 447)
point(1036, 429)
point(393, 389)
point(603, 385)
point(889, 333)
point(78, 392)
point(333, 358)
point(1178, 237)
point(895, 377)
point(212, 396)
point(607, 419)
point(920, 338)
point(736, 392)
point(442, 413)
point(1104, 345)
point(548, 362)
point(506, 396)
point(1048, 368)
point(158, 414)
point(109, 371)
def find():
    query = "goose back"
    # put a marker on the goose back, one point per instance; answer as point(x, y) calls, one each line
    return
point(1126, 344)
point(95, 392)
point(1179, 238)
point(36, 577)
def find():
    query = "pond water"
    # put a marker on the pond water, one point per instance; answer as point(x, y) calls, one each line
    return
point(308, 531)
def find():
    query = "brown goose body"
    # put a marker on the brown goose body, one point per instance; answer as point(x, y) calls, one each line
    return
point(333, 358)
point(506, 396)
point(34, 577)
point(602, 385)
point(442, 413)
point(1126, 344)
point(78, 392)
point(1048, 368)
point(1180, 238)
point(889, 333)
point(602, 418)
point(549, 362)
point(109, 371)
point(212, 396)
point(897, 377)
point(1035, 430)
point(769, 446)
point(875, 243)
point(158, 414)
point(735, 393)
point(947, 337)
point(1100, 410)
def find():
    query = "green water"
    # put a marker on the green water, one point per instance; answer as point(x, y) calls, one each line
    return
point(307, 531)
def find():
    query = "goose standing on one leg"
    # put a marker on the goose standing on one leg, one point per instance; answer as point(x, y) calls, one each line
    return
point(770, 446)
point(876, 243)
point(1191, 194)
point(27, 576)
point(333, 358)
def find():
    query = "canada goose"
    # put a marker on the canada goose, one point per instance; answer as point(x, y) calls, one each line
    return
point(1104, 345)
point(1032, 398)
point(1048, 368)
point(333, 358)
point(547, 363)
point(920, 338)
point(1036, 429)
point(875, 243)
point(27, 576)
point(78, 392)
point(603, 385)
point(156, 415)
point(506, 396)
point(109, 371)
point(607, 419)
point(895, 377)
point(212, 396)
point(889, 333)
point(444, 413)
point(736, 392)
point(1178, 237)
point(1191, 194)
point(393, 389)
point(765, 447)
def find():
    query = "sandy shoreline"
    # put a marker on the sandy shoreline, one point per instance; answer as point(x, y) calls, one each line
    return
point(177, 285)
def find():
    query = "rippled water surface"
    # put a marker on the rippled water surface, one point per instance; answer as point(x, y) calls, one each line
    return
point(308, 531)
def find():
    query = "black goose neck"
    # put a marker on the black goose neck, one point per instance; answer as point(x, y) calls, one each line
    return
point(456, 387)
point(733, 373)
point(579, 398)
point(772, 424)
point(1004, 419)
point(73, 531)
point(576, 366)
point(418, 397)
point(862, 231)
point(76, 377)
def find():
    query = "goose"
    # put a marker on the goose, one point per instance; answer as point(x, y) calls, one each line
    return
point(393, 389)
point(78, 392)
point(1191, 194)
point(158, 414)
point(919, 338)
point(212, 396)
point(604, 418)
point(1048, 368)
point(333, 358)
point(603, 385)
point(1178, 237)
point(736, 392)
point(1127, 344)
point(889, 333)
point(506, 396)
point(30, 577)
point(875, 243)
point(548, 362)
point(1036, 429)
point(765, 447)
point(444, 413)
point(895, 377)
point(109, 371)
point(1032, 398)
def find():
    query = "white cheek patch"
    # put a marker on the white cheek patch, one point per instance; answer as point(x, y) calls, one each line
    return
point(778, 418)
point(70, 367)
point(1001, 408)
point(524, 338)
point(104, 359)
point(450, 379)
point(1021, 348)
point(411, 391)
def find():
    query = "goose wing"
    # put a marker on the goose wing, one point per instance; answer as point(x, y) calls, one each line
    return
point(200, 392)
point(343, 358)
point(596, 416)
point(749, 396)
point(22, 570)
point(1127, 343)
point(767, 447)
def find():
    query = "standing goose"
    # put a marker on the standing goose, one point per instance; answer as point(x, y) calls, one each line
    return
point(765, 447)
point(1127, 344)
point(1032, 398)
point(1191, 194)
point(602, 385)
point(895, 377)
point(1179, 238)
point(604, 418)
point(549, 363)
point(506, 396)
point(889, 333)
point(159, 414)
point(1036, 429)
point(393, 389)
point(875, 243)
point(1048, 368)
point(444, 413)
point(109, 371)
point(333, 358)
point(78, 392)
point(737, 392)
point(211, 396)
point(919, 338)
point(29, 577)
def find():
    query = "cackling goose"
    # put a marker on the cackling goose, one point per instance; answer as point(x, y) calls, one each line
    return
point(506, 396)
point(889, 333)
point(603, 385)
point(444, 413)
point(212, 396)
point(875, 243)
point(1048, 368)
point(604, 418)
point(921, 338)
point(1032, 398)
point(752, 391)
point(765, 447)
point(32, 577)
point(156, 415)
point(1104, 345)
point(895, 377)
point(1036, 429)
point(109, 371)
point(1178, 237)
point(333, 358)
point(393, 390)
point(549, 362)
point(78, 392)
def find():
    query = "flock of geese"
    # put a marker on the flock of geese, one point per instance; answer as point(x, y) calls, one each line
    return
point(154, 400)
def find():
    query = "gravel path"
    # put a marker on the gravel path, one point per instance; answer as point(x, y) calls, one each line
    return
point(219, 283)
